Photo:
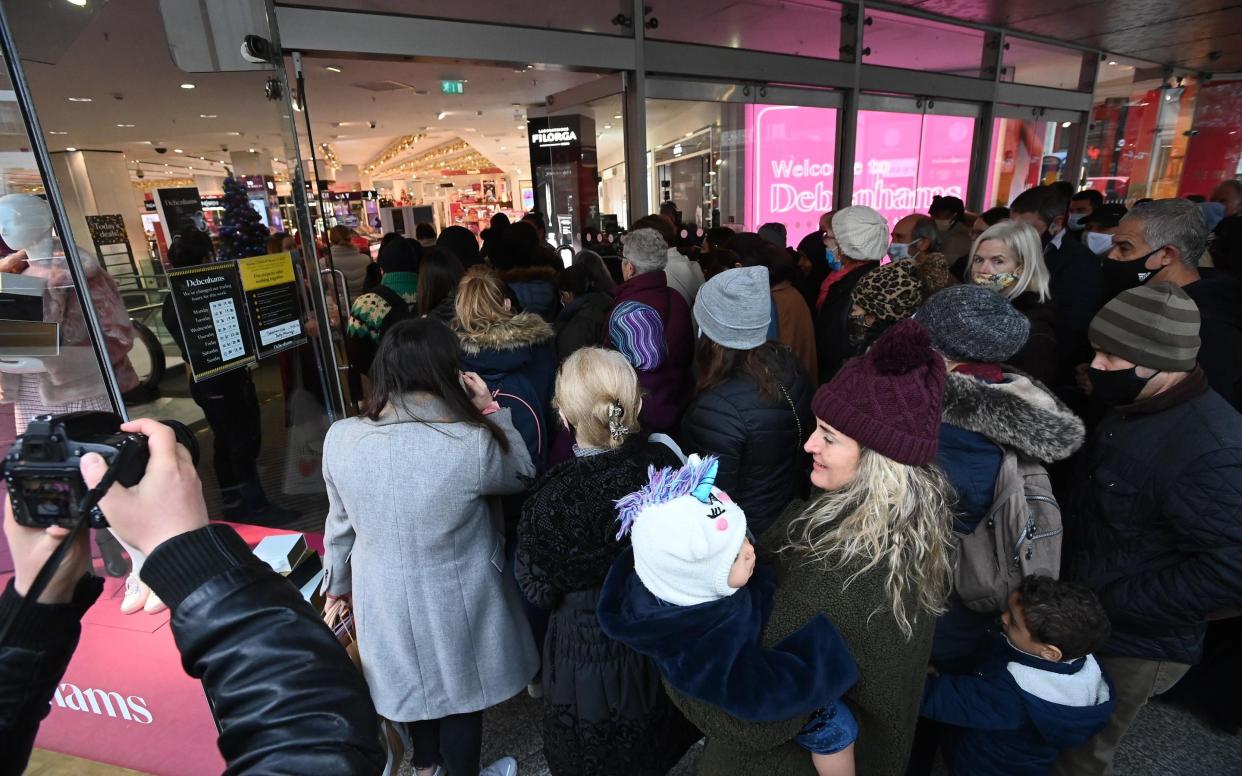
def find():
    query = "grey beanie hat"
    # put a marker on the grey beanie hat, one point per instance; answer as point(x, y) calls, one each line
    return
point(734, 308)
point(973, 323)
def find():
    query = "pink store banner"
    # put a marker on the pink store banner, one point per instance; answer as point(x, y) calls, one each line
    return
point(905, 159)
point(791, 152)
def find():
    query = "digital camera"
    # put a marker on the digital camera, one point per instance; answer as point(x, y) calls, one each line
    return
point(41, 469)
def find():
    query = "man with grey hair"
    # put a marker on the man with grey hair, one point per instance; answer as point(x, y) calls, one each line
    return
point(914, 236)
point(1162, 241)
point(644, 256)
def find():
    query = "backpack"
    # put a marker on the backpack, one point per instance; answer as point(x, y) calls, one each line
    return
point(1021, 535)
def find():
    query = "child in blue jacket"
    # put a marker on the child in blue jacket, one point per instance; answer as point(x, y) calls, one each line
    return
point(688, 594)
point(1035, 693)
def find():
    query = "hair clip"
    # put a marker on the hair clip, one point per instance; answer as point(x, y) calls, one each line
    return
point(616, 429)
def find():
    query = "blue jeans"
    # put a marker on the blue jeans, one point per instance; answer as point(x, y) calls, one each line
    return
point(829, 730)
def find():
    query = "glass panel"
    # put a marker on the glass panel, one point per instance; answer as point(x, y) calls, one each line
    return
point(1214, 153)
point(211, 152)
point(1025, 154)
point(741, 165)
point(1031, 62)
point(548, 14)
point(808, 29)
point(921, 44)
point(47, 365)
point(1137, 141)
point(578, 164)
point(905, 159)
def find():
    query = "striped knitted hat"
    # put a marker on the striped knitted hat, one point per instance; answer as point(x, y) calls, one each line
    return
point(1153, 326)
point(637, 332)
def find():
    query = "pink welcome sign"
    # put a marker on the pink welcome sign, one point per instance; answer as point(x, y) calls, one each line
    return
point(905, 159)
point(791, 153)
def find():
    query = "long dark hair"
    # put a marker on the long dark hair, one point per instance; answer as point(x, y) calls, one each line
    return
point(716, 364)
point(438, 276)
point(421, 354)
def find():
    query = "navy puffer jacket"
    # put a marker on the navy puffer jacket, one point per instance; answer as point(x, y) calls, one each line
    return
point(762, 464)
point(1155, 522)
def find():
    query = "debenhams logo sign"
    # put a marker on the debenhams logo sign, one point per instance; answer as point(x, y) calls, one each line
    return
point(553, 136)
point(102, 702)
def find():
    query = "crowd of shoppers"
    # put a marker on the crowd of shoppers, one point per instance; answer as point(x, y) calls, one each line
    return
point(856, 414)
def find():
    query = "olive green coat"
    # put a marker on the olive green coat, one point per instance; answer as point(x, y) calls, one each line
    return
point(891, 672)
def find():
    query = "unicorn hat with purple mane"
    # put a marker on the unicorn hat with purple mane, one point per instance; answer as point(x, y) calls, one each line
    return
point(686, 533)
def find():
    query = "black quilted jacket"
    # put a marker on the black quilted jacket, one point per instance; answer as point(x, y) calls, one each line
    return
point(762, 464)
point(1155, 523)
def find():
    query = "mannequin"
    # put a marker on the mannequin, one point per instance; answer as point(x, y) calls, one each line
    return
point(68, 382)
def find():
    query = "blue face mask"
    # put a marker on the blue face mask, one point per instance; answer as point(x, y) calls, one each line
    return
point(1099, 243)
point(1075, 221)
point(833, 263)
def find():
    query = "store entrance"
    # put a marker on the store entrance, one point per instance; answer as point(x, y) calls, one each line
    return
point(440, 144)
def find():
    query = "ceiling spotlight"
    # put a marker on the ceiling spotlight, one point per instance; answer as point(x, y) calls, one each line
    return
point(235, 134)
point(607, 126)
point(1112, 62)
point(617, 116)
point(253, 151)
point(125, 126)
point(332, 68)
point(208, 116)
point(178, 151)
point(187, 86)
point(71, 148)
point(1065, 125)
point(78, 3)
point(58, 133)
point(440, 116)
point(80, 99)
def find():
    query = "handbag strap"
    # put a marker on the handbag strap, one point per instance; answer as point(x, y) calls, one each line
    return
point(794, 410)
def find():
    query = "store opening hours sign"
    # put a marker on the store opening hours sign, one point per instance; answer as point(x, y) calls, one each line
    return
point(904, 159)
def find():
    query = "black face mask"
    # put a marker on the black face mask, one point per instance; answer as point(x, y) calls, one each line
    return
point(1117, 276)
point(1118, 387)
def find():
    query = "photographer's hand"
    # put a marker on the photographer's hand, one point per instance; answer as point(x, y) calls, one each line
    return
point(31, 547)
point(167, 502)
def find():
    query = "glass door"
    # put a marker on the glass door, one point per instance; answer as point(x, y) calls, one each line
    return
point(578, 165)
point(172, 151)
point(1030, 147)
point(740, 155)
point(910, 150)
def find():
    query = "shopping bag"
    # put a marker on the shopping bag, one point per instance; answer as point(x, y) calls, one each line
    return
point(340, 618)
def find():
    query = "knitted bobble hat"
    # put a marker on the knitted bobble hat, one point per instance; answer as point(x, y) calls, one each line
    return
point(685, 532)
point(975, 324)
point(889, 398)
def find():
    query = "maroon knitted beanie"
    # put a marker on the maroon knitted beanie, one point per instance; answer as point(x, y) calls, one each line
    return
point(889, 398)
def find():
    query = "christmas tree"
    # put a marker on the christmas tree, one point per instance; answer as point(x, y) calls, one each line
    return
point(242, 233)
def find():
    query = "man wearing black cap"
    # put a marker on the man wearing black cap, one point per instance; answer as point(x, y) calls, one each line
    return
point(1154, 522)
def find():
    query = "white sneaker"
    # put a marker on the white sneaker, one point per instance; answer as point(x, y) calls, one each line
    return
point(154, 605)
point(505, 766)
point(136, 595)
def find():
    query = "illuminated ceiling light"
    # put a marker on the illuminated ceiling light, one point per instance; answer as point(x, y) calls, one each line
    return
point(187, 86)
point(1065, 125)
point(253, 151)
point(125, 126)
point(71, 148)
point(80, 99)
point(78, 3)
point(440, 116)
point(208, 116)
point(607, 126)
point(617, 116)
point(235, 134)
point(1112, 62)
point(502, 148)
point(178, 151)
point(58, 133)
point(332, 68)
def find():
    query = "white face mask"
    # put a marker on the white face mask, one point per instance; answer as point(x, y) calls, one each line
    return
point(1075, 221)
point(900, 251)
point(1099, 243)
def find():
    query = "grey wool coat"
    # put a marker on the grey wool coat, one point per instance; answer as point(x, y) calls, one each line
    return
point(414, 534)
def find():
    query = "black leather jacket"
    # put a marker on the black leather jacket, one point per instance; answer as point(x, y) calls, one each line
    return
point(285, 695)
